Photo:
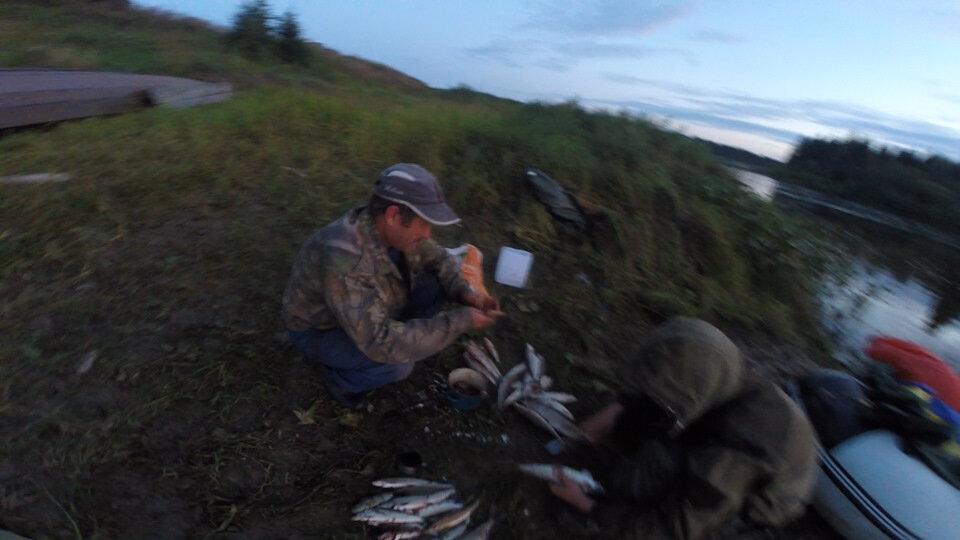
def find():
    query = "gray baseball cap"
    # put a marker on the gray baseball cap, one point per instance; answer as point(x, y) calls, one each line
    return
point(414, 187)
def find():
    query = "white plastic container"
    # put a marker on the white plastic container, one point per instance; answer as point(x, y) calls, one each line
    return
point(513, 267)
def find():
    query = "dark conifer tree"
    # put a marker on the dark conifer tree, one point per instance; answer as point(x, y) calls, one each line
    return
point(290, 45)
point(251, 30)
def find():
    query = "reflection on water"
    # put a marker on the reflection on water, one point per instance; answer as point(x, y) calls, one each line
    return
point(900, 281)
point(758, 184)
point(872, 300)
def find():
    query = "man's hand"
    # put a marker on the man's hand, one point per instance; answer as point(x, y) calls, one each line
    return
point(480, 301)
point(599, 426)
point(571, 493)
point(481, 319)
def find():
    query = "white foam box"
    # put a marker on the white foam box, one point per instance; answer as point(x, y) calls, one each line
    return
point(513, 267)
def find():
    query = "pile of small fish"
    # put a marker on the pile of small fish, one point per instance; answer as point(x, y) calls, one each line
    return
point(483, 359)
point(549, 472)
point(417, 508)
point(525, 387)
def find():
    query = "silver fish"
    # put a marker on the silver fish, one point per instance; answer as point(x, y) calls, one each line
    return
point(411, 483)
point(560, 397)
point(531, 385)
point(548, 472)
point(448, 521)
point(480, 533)
point(482, 357)
point(535, 362)
point(555, 405)
point(536, 418)
point(545, 382)
point(383, 516)
point(401, 534)
point(415, 502)
point(514, 397)
point(453, 533)
point(504, 389)
point(492, 350)
point(558, 421)
point(479, 367)
point(438, 508)
point(371, 501)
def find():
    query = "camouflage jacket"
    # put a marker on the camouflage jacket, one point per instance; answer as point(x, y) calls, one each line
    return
point(746, 448)
point(344, 278)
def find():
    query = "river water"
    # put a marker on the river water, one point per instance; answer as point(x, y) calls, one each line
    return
point(897, 278)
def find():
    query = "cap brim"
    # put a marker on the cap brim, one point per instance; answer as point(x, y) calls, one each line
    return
point(436, 214)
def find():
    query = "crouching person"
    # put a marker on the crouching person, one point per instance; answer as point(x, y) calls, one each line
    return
point(693, 441)
point(363, 302)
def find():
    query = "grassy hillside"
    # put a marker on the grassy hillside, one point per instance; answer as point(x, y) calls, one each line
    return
point(96, 35)
point(164, 259)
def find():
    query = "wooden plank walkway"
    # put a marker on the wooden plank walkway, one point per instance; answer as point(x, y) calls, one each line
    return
point(39, 96)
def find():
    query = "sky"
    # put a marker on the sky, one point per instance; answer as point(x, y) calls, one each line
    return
point(759, 75)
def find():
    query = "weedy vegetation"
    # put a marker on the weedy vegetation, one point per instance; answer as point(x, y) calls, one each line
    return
point(146, 387)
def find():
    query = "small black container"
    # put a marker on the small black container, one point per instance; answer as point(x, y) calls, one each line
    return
point(409, 463)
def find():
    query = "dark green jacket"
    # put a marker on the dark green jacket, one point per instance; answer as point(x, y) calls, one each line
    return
point(736, 445)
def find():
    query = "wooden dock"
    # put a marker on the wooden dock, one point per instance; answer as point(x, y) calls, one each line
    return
point(39, 96)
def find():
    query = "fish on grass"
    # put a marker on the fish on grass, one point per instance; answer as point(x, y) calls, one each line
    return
point(400, 534)
point(438, 508)
point(412, 503)
point(383, 516)
point(548, 472)
point(411, 483)
point(453, 533)
point(371, 501)
point(451, 520)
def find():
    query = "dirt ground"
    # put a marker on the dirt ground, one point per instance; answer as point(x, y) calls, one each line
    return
point(244, 465)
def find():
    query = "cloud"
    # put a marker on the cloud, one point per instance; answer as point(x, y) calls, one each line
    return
point(888, 129)
point(704, 116)
point(673, 87)
point(563, 56)
point(712, 36)
point(568, 31)
point(787, 121)
point(504, 52)
point(592, 50)
point(607, 17)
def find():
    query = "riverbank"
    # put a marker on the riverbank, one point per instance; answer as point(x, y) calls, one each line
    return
point(140, 299)
point(890, 276)
point(919, 188)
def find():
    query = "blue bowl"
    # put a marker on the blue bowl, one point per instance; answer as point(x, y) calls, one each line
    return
point(463, 402)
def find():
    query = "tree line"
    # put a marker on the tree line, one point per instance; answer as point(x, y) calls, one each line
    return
point(256, 32)
point(924, 189)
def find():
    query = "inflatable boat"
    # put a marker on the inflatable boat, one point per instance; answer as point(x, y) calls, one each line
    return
point(869, 487)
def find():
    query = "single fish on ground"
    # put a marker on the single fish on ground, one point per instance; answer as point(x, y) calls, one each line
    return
point(452, 519)
point(415, 502)
point(548, 472)
point(404, 483)
point(371, 501)
point(384, 516)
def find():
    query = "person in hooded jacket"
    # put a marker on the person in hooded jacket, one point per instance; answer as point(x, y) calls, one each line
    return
point(693, 442)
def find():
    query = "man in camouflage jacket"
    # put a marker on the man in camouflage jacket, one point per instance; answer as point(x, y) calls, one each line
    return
point(364, 296)
point(695, 442)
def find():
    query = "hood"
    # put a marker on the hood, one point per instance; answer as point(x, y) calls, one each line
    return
point(687, 366)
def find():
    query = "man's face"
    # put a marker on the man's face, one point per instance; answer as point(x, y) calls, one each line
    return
point(406, 238)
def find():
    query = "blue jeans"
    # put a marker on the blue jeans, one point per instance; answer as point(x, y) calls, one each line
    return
point(346, 364)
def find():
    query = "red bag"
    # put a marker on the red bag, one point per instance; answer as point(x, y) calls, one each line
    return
point(912, 362)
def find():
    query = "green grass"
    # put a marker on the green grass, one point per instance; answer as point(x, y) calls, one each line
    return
point(168, 252)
